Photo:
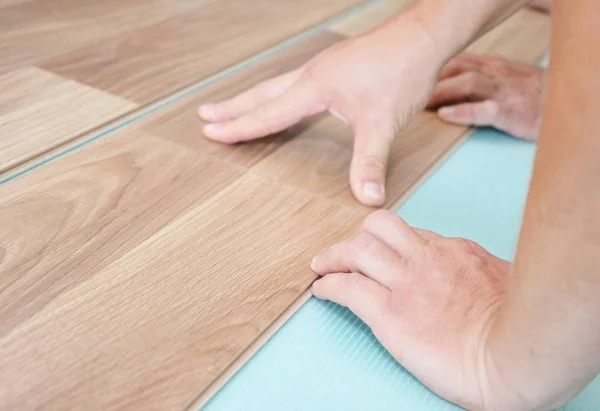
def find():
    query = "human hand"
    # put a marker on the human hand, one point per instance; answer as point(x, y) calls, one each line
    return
point(428, 299)
point(491, 91)
point(376, 83)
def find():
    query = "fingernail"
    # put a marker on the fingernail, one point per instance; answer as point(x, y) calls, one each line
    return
point(373, 191)
point(207, 108)
point(313, 263)
point(446, 111)
point(211, 128)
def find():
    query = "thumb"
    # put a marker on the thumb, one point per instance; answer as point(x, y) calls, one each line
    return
point(372, 147)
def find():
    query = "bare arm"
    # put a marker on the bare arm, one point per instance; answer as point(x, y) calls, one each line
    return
point(550, 326)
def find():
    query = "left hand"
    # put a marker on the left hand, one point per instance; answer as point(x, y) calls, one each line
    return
point(428, 299)
point(491, 91)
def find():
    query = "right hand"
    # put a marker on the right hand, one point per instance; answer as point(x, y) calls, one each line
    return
point(376, 83)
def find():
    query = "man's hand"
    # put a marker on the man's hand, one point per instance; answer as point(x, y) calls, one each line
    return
point(376, 83)
point(430, 301)
point(491, 91)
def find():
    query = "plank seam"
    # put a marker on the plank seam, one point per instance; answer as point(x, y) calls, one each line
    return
point(114, 125)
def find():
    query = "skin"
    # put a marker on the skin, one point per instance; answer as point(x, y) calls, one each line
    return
point(486, 90)
point(491, 91)
point(477, 330)
point(370, 82)
point(542, 5)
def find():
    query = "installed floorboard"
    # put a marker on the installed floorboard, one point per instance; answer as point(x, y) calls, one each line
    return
point(180, 122)
point(70, 218)
point(153, 328)
point(34, 30)
point(149, 63)
point(318, 159)
point(40, 110)
point(524, 37)
point(371, 17)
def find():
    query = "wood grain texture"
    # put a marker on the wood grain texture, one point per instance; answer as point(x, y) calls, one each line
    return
point(318, 159)
point(149, 63)
point(524, 37)
point(61, 223)
point(154, 327)
point(32, 30)
point(180, 122)
point(371, 17)
point(40, 111)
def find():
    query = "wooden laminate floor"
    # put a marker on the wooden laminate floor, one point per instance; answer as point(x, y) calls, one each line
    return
point(137, 269)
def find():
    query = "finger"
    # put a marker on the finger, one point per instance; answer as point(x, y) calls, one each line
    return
point(427, 235)
point(469, 86)
point(485, 113)
point(456, 67)
point(298, 102)
point(363, 253)
point(368, 170)
point(367, 299)
point(248, 100)
point(462, 63)
point(393, 231)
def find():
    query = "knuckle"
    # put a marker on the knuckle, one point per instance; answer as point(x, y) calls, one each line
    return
point(491, 108)
point(471, 81)
point(463, 244)
point(373, 162)
point(377, 217)
point(362, 244)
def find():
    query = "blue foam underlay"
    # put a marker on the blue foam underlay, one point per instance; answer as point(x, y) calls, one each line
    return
point(325, 358)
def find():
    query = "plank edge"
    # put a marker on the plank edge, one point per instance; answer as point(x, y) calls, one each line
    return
point(248, 353)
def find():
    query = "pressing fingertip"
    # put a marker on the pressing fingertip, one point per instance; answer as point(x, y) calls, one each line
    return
point(446, 112)
point(373, 192)
point(315, 289)
point(313, 263)
point(207, 111)
point(211, 130)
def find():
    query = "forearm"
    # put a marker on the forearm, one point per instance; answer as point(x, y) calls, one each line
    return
point(453, 25)
point(546, 345)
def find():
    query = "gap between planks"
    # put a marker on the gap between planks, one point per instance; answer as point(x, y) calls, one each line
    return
point(143, 111)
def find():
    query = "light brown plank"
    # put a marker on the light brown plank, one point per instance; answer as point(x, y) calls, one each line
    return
point(40, 111)
point(318, 159)
point(152, 329)
point(34, 30)
point(151, 62)
point(524, 37)
point(61, 223)
point(180, 122)
point(371, 17)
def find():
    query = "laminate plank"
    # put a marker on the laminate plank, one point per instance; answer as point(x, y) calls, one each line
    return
point(40, 111)
point(148, 63)
point(524, 37)
point(318, 159)
point(155, 327)
point(180, 122)
point(371, 17)
point(63, 222)
point(35, 30)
